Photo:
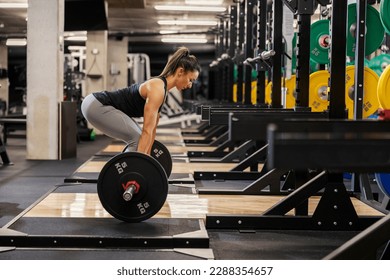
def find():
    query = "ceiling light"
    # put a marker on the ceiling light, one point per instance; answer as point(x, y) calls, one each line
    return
point(76, 38)
point(188, 22)
point(190, 8)
point(168, 31)
point(209, 2)
point(17, 42)
point(13, 5)
point(184, 40)
point(77, 48)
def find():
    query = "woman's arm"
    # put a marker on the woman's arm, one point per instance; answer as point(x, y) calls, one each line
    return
point(155, 97)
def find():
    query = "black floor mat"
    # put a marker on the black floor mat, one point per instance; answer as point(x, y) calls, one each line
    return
point(276, 245)
point(104, 233)
point(104, 227)
point(112, 254)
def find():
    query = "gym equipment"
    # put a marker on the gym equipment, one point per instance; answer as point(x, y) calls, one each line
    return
point(132, 187)
point(349, 141)
point(384, 12)
point(161, 154)
point(320, 41)
point(318, 93)
point(383, 89)
point(289, 90)
point(4, 155)
point(383, 180)
point(370, 101)
point(374, 30)
point(379, 63)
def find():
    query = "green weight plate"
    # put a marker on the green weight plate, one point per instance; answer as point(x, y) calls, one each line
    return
point(374, 30)
point(294, 54)
point(384, 12)
point(314, 66)
point(379, 63)
point(129, 167)
point(366, 62)
point(319, 41)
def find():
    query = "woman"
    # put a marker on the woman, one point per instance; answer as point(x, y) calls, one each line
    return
point(112, 112)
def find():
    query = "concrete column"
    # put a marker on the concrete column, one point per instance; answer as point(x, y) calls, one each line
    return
point(117, 63)
point(96, 61)
point(45, 69)
point(4, 82)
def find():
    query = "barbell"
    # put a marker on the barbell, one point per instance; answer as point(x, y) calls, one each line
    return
point(133, 186)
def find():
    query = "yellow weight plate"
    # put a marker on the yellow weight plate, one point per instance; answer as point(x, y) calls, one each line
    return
point(384, 89)
point(318, 91)
point(370, 99)
point(290, 92)
point(235, 92)
point(268, 89)
point(254, 92)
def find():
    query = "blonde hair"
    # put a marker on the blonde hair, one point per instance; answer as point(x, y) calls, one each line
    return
point(181, 58)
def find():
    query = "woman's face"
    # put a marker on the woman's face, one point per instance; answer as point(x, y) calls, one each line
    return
point(186, 79)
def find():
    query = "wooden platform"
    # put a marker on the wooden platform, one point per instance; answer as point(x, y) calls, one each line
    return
point(173, 149)
point(95, 166)
point(87, 205)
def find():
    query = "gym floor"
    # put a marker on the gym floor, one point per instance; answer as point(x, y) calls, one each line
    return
point(35, 200)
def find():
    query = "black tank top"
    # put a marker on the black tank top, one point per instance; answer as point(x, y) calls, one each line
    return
point(127, 100)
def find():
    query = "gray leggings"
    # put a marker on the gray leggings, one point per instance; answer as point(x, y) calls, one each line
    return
point(111, 121)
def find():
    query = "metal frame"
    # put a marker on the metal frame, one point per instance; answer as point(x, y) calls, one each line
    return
point(356, 145)
point(366, 244)
point(238, 57)
point(261, 45)
point(197, 240)
point(338, 54)
point(334, 212)
point(277, 46)
point(248, 50)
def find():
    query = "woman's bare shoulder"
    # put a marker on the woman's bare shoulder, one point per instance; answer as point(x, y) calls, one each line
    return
point(152, 85)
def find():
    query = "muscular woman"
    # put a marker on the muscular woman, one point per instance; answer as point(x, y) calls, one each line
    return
point(112, 112)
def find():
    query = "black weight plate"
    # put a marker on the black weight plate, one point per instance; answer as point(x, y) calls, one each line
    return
point(132, 166)
point(161, 154)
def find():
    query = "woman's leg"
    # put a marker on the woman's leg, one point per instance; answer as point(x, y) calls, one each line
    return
point(111, 121)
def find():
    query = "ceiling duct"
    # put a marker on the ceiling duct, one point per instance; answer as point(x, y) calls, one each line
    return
point(85, 15)
point(126, 4)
